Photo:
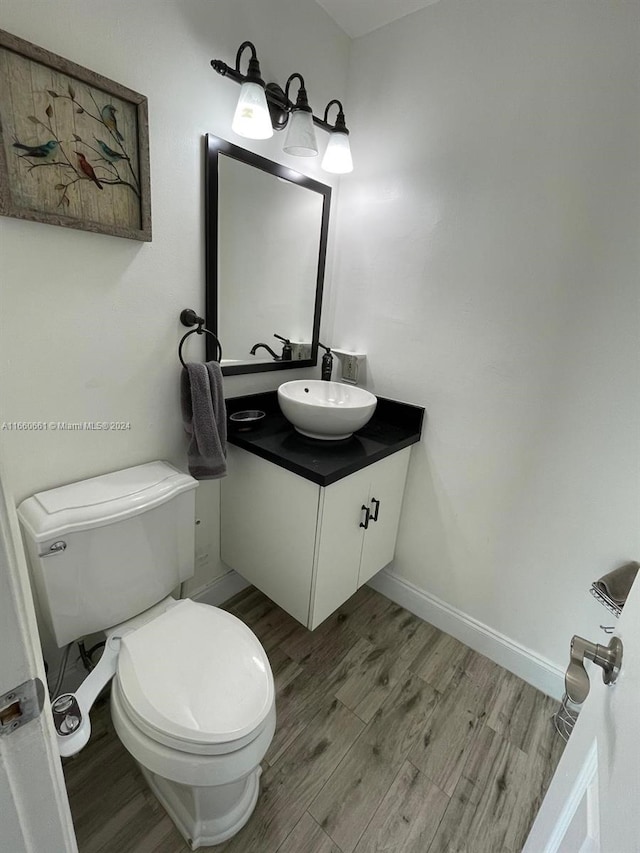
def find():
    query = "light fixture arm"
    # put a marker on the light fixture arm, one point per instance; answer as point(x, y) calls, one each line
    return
point(302, 101)
point(253, 70)
point(227, 71)
point(243, 47)
point(340, 125)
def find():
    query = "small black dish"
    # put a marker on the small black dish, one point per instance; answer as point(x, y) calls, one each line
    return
point(246, 420)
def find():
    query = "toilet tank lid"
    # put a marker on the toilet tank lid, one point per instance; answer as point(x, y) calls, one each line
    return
point(101, 500)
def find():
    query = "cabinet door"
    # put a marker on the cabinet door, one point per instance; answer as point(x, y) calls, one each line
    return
point(268, 529)
point(339, 544)
point(387, 479)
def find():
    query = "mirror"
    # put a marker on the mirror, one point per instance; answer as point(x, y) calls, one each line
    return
point(266, 242)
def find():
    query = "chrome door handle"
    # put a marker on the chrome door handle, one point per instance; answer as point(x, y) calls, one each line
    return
point(57, 548)
point(608, 658)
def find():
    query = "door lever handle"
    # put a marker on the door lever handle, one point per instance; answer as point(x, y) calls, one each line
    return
point(608, 658)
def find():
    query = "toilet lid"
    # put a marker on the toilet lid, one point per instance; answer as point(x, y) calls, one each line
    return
point(197, 674)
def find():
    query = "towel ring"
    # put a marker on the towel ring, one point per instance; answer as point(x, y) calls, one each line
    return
point(188, 317)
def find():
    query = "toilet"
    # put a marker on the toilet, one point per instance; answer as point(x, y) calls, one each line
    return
point(192, 693)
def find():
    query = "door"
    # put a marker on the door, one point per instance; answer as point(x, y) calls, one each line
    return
point(339, 547)
point(593, 802)
point(268, 527)
point(385, 499)
point(34, 811)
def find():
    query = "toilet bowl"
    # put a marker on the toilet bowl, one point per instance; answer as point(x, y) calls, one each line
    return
point(192, 695)
point(192, 700)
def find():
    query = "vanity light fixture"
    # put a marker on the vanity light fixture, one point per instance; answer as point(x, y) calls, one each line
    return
point(261, 109)
point(251, 118)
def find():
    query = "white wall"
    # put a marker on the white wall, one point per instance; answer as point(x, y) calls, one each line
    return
point(488, 262)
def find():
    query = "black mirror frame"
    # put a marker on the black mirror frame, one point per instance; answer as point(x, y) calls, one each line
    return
point(214, 146)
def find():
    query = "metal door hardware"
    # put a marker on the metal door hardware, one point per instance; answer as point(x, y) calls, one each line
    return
point(609, 658)
point(21, 705)
point(54, 549)
point(375, 501)
point(369, 515)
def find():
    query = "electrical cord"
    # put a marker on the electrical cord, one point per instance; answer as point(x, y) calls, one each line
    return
point(87, 656)
point(87, 660)
point(63, 666)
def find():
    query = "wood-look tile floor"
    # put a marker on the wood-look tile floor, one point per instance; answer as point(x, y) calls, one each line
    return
point(391, 736)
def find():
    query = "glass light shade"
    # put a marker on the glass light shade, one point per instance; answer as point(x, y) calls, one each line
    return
point(301, 137)
point(337, 158)
point(251, 118)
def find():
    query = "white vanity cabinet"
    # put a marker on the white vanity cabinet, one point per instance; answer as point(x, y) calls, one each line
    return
point(309, 547)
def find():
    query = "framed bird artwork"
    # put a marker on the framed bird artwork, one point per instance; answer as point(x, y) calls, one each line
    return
point(74, 145)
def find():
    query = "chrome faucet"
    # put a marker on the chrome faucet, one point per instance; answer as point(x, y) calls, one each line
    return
point(327, 363)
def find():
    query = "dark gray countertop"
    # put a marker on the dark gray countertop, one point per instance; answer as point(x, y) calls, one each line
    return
point(393, 426)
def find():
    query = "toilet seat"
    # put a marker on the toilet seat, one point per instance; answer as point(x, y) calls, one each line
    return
point(195, 679)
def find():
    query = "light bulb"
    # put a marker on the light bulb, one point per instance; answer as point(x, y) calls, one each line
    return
point(251, 118)
point(337, 158)
point(301, 137)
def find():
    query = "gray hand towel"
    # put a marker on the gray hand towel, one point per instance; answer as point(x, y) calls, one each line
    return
point(618, 583)
point(204, 416)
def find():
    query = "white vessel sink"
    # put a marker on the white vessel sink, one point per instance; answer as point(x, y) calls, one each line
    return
point(325, 410)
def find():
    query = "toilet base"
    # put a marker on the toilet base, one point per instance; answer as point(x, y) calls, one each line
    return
point(185, 805)
point(209, 797)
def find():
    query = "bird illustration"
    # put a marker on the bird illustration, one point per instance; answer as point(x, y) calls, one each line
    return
point(108, 153)
point(108, 115)
point(42, 152)
point(87, 168)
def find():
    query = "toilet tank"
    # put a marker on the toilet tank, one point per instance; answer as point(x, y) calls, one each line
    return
point(105, 549)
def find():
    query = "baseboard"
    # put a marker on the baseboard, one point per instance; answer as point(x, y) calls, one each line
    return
point(524, 663)
point(221, 590)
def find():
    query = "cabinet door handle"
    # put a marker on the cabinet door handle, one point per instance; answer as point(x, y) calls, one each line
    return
point(367, 516)
point(375, 501)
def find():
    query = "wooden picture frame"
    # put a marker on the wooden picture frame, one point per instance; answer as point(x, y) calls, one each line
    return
point(74, 145)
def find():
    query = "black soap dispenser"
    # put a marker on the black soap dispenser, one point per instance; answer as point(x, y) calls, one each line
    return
point(327, 363)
